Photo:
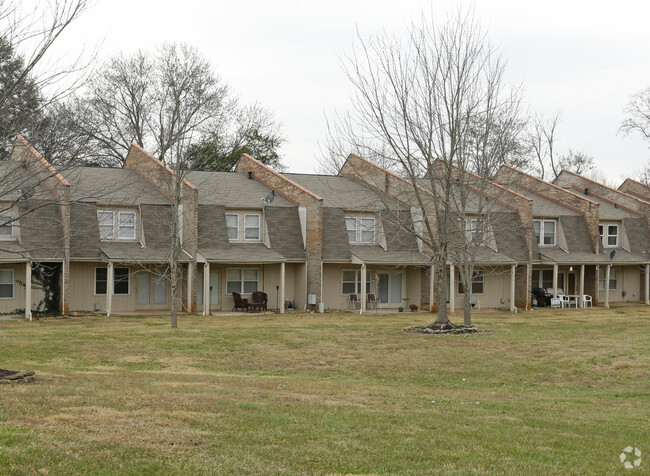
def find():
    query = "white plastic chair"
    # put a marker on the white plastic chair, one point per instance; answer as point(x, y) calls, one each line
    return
point(566, 301)
point(586, 298)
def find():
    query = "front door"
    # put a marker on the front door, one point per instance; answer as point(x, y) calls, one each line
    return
point(572, 287)
point(389, 288)
point(152, 290)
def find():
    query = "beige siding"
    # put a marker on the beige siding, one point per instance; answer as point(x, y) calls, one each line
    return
point(82, 295)
point(269, 278)
point(628, 279)
point(299, 272)
point(496, 291)
point(8, 305)
point(333, 292)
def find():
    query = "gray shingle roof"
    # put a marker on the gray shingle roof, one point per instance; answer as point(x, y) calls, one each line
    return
point(576, 235)
point(242, 253)
point(376, 254)
point(212, 231)
point(285, 232)
point(41, 230)
point(339, 192)
point(111, 186)
point(84, 237)
point(638, 236)
point(232, 190)
point(336, 245)
point(542, 206)
point(509, 238)
point(606, 210)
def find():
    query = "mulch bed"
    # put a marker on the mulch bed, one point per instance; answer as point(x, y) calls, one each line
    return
point(16, 376)
point(445, 329)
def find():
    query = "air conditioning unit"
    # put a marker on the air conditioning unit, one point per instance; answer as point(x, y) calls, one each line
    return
point(98, 306)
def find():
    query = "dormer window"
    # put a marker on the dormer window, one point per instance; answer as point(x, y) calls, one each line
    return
point(6, 226)
point(244, 226)
point(251, 227)
point(473, 229)
point(360, 229)
point(544, 232)
point(608, 235)
point(116, 225)
point(232, 224)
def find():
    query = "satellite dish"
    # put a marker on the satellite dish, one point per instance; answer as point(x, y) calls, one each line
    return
point(611, 255)
point(269, 198)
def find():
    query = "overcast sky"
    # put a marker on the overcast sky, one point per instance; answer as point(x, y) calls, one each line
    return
point(582, 58)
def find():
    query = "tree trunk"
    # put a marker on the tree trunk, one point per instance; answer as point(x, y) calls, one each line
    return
point(467, 307)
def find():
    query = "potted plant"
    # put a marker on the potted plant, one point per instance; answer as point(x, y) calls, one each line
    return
point(414, 307)
point(400, 309)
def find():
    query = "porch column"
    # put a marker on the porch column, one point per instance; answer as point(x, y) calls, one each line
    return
point(582, 286)
point(28, 290)
point(206, 289)
point(555, 280)
point(363, 296)
point(63, 307)
point(529, 287)
point(647, 284)
point(513, 269)
point(109, 289)
point(432, 275)
point(452, 291)
point(609, 267)
point(282, 276)
point(190, 285)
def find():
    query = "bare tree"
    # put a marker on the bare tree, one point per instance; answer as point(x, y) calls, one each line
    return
point(33, 77)
point(433, 108)
point(638, 110)
point(638, 121)
point(164, 99)
point(156, 101)
point(541, 141)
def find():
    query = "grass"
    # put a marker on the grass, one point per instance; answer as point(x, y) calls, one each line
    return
point(550, 392)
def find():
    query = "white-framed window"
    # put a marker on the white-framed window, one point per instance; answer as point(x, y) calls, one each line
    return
point(544, 232)
point(351, 227)
point(242, 280)
point(602, 275)
point(106, 219)
point(6, 226)
point(477, 283)
point(608, 235)
point(244, 226)
point(232, 225)
point(126, 226)
point(120, 225)
point(252, 227)
point(121, 284)
point(351, 281)
point(6, 283)
point(361, 229)
point(472, 228)
point(367, 232)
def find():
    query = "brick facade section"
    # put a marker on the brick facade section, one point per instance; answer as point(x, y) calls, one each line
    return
point(587, 208)
point(302, 197)
point(568, 179)
point(636, 189)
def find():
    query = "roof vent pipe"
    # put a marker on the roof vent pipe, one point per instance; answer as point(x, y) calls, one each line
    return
point(586, 191)
point(250, 175)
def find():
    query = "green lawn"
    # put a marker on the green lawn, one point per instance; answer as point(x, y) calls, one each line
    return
point(549, 392)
